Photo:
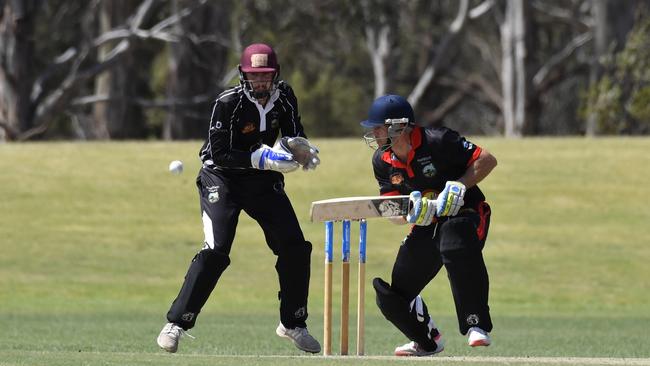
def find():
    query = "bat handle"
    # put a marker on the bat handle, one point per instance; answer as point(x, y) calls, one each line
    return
point(412, 200)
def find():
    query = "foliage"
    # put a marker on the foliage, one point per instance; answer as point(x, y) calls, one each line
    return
point(324, 52)
point(620, 100)
point(332, 105)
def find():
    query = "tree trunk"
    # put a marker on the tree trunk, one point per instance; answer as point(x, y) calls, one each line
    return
point(520, 66)
point(17, 68)
point(508, 73)
point(378, 47)
point(117, 118)
point(443, 54)
point(514, 79)
point(599, 13)
point(195, 69)
point(103, 81)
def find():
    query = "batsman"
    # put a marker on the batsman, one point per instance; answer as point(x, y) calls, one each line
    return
point(242, 171)
point(440, 170)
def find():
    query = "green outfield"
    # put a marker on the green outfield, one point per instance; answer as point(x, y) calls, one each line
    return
point(95, 239)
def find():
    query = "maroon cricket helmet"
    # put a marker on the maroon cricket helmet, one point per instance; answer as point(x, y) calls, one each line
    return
point(259, 57)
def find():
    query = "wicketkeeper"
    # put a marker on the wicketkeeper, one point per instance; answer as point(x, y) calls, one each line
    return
point(242, 171)
point(432, 163)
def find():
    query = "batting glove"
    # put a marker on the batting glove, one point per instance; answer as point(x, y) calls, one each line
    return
point(268, 158)
point(450, 200)
point(422, 210)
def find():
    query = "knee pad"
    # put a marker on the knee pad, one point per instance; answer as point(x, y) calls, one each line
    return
point(294, 261)
point(394, 306)
point(211, 261)
point(295, 255)
point(391, 304)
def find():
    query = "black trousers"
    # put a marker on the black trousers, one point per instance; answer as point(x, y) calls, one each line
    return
point(455, 242)
point(261, 195)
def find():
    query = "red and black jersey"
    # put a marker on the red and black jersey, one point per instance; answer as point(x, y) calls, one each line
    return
point(437, 155)
point(239, 125)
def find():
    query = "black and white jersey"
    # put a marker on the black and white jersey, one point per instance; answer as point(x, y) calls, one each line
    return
point(437, 155)
point(239, 125)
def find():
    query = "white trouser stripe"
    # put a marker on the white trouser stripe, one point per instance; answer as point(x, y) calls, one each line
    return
point(207, 230)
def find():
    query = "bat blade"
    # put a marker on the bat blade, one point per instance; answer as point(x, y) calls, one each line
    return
point(356, 208)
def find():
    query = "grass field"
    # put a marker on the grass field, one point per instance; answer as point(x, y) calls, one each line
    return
point(95, 239)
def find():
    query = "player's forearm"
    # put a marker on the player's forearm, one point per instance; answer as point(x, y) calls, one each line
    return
point(479, 169)
point(228, 158)
point(233, 159)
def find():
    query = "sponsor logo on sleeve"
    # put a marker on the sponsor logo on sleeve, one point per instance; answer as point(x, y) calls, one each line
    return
point(248, 128)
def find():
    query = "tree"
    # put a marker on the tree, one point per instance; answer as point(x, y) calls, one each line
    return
point(199, 65)
point(116, 117)
point(619, 101)
point(45, 92)
point(17, 22)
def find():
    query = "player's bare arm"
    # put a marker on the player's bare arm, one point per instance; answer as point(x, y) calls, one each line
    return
point(479, 169)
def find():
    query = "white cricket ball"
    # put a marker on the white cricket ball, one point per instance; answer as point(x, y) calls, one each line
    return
point(176, 167)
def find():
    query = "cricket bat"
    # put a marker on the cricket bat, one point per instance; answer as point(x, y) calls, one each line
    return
point(356, 208)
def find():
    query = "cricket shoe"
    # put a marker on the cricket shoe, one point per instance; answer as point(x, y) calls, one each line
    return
point(169, 337)
point(300, 338)
point(477, 337)
point(414, 349)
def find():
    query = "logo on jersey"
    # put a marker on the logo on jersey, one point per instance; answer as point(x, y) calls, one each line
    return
point(213, 195)
point(396, 179)
point(274, 117)
point(217, 126)
point(429, 170)
point(468, 145)
point(248, 128)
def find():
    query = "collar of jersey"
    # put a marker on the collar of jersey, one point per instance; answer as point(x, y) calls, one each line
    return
point(416, 141)
point(263, 110)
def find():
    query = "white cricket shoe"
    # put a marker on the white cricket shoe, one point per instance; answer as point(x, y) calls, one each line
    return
point(169, 337)
point(477, 337)
point(414, 349)
point(300, 338)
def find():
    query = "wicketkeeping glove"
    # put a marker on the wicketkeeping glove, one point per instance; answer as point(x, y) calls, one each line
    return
point(422, 210)
point(274, 159)
point(302, 150)
point(450, 200)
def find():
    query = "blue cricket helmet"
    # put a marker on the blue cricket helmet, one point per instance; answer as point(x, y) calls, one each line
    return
point(388, 107)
